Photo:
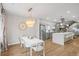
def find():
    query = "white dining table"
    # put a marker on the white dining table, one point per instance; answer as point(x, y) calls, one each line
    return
point(32, 42)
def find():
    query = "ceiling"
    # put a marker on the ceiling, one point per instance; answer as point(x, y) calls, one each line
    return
point(45, 10)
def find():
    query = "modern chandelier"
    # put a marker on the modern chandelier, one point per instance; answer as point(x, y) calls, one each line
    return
point(30, 20)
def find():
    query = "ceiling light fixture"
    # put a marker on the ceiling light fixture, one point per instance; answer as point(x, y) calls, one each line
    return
point(73, 16)
point(68, 12)
point(30, 21)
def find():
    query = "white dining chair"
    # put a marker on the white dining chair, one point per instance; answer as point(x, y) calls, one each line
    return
point(40, 47)
point(22, 44)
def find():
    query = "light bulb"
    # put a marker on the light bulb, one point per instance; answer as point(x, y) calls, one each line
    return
point(68, 12)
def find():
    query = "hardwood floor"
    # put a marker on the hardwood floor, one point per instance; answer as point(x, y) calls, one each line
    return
point(71, 48)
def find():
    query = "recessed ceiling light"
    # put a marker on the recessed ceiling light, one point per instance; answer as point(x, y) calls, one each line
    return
point(73, 16)
point(68, 12)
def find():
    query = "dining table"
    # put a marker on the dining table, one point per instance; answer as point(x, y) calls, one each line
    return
point(30, 42)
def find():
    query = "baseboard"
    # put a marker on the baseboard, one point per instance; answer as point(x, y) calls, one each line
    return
point(13, 43)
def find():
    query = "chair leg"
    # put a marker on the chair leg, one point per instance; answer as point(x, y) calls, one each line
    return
point(72, 38)
point(30, 51)
point(44, 49)
point(43, 53)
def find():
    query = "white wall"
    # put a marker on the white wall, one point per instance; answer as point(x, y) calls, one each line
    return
point(0, 10)
point(13, 31)
point(1, 29)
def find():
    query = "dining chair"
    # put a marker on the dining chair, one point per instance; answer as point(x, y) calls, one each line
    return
point(40, 47)
point(22, 44)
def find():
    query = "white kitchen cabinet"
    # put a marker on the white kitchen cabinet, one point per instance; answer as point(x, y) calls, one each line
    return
point(62, 37)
